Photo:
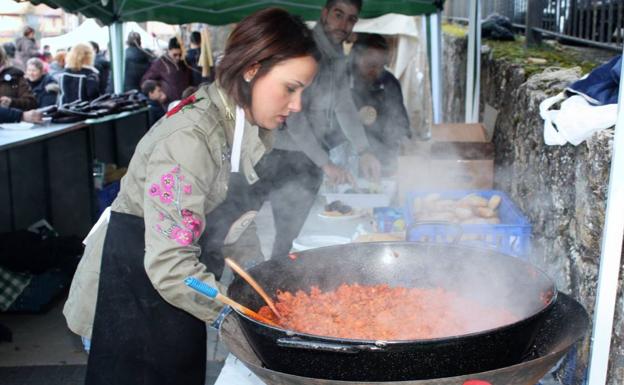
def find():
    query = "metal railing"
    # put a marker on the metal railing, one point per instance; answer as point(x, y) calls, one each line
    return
point(594, 22)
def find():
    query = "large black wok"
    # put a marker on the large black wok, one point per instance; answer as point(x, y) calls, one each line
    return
point(493, 279)
point(565, 324)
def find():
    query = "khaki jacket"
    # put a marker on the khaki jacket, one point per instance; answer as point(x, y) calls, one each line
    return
point(178, 174)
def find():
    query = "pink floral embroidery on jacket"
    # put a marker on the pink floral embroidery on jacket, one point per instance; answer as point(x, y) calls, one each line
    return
point(182, 236)
point(166, 197)
point(187, 227)
point(167, 182)
point(154, 190)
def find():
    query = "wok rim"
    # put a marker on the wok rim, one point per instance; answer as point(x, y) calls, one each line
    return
point(381, 343)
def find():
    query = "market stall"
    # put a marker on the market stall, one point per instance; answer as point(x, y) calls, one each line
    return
point(48, 169)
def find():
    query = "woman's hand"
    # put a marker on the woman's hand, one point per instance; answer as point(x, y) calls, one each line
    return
point(370, 167)
point(337, 175)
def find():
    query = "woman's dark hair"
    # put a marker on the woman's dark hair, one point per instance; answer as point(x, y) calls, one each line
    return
point(266, 37)
point(174, 43)
point(196, 37)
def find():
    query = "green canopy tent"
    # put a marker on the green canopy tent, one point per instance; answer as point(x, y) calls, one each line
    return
point(219, 12)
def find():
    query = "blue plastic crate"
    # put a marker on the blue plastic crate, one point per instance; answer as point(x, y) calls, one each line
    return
point(389, 219)
point(512, 236)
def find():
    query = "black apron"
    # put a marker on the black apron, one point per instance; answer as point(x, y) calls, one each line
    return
point(139, 338)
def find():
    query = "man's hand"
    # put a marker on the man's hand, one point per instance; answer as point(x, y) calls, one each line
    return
point(5, 101)
point(337, 175)
point(32, 116)
point(370, 167)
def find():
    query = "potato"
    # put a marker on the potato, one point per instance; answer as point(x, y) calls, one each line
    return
point(443, 205)
point(463, 213)
point(485, 212)
point(493, 221)
point(474, 200)
point(494, 202)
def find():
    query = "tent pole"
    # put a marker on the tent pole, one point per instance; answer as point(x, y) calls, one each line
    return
point(610, 256)
point(473, 75)
point(436, 65)
point(115, 31)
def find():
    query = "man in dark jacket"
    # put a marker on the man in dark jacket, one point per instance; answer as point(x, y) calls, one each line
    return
point(328, 120)
point(137, 62)
point(173, 74)
point(103, 66)
point(377, 96)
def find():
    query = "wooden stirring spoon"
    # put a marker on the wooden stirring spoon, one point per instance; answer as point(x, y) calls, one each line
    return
point(212, 292)
point(252, 282)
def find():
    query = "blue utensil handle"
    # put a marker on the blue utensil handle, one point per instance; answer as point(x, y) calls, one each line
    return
point(201, 287)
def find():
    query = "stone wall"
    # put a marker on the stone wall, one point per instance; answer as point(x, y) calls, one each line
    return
point(561, 189)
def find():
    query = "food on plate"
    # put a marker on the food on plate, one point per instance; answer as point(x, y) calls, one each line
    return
point(470, 209)
point(337, 208)
point(382, 312)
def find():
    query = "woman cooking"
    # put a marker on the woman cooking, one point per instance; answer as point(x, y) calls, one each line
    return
point(149, 328)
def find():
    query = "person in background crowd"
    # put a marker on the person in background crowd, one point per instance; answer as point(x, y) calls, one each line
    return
point(137, 62)
point(9, 49)
point(58, 64)
point(328, 120)
point(45, 88)
point(148, 327)
point(171, 71)
point(102, 65)
point(13, 115)
point(192, 59)
point(156, 99)
point(26, 46)
point(377, 96)
point(14, 89)
point(188, 91)
point(79, 81)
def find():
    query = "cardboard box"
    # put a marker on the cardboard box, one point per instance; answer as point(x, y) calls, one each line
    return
point(458, 157)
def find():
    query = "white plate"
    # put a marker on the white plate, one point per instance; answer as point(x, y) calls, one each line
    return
point(353, 215)
point(307, 242)
point(362, 200)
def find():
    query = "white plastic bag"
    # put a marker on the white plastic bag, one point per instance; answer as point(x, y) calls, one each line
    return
point(575, 121)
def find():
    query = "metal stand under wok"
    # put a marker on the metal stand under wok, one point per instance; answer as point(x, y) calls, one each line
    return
point(565, 325)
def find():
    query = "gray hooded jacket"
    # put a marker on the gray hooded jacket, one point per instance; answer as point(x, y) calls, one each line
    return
point(328, 112)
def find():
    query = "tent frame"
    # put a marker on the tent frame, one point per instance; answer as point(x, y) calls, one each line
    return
point(613, 231)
